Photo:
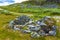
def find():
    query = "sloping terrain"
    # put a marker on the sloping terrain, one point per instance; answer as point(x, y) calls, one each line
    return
point(8, 34)
point(8, 13)
point(31, 6)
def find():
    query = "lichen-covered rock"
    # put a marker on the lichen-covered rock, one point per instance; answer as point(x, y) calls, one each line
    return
point(23, 19)
point(34, 35)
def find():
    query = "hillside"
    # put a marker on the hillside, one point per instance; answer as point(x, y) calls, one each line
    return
point(29, 6)
point(8, 34)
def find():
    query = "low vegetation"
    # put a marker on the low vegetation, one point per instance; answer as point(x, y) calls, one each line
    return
point(20, 9)
point(8, 34)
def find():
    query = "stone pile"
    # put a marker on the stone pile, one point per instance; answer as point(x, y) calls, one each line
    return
point(43, 27)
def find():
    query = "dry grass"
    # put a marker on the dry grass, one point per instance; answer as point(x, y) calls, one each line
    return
point(9, 34)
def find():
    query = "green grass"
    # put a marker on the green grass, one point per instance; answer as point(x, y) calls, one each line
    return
point(47, 11)
point(8, 34)
point(5, 17)
point(36, 13)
